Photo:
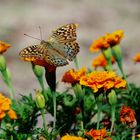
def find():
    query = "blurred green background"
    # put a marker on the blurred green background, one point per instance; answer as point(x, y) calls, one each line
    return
point(96, 17)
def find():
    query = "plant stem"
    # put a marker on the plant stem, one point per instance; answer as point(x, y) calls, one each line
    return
point(43, 118)
point(133, 134)
point(113, 109)
point(76, 63)
point(11, 137)
point(83, 116)
point(8, 83)
point(98, 114)
point(40, 79)
point(119, 62)
point(54, 108)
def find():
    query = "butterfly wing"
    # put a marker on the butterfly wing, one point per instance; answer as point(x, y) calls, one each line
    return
point(41, 52)
point(63, 40)
point(33, 51)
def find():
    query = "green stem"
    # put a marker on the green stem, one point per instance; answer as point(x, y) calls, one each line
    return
point(11, 137)
point(133, 134)
point(76, 63)
point(113, 110)
point(119, 62)
point(83, 116)
point(8, 83)
point(98, 114)
point(54, 108)
point(40, 79)
point(43, 118)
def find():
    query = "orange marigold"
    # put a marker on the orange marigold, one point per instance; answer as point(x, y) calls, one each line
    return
point(127, 116)
point(98, 44)
point(115, 37)
point(12, 114)
point(110, 39)
point(137, 57)
point(99, 134)
point(5, 106)
point(100, 60)
point(102, 79)
point(73, 76)
point(3, 47)
point(68, 137)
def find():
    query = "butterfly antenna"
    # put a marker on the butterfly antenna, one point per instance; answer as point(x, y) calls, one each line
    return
point(40, 32)
point(32, 37)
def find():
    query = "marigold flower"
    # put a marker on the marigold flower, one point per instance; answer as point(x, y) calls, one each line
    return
point(98, 44)
point(110, 39)
point(40, 62)
point(100, 60)
point(127, 116)
point(102, 79)
point(114, 38)
point(99, 134)
point(3, 47)
point(73, 76)
point(68, 137)
point(137, 57)
point(5, 106)
point(12, 114)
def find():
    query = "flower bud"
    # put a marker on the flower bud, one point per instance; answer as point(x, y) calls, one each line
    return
point(112, 97)
point(38, 70)
point(108, 55)
point(116, 50)
point(39, 99)
point(2, 63)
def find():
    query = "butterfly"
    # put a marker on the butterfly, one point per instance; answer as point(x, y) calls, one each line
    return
point(60, 47)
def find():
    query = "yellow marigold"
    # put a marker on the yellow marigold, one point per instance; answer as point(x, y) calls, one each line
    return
point(73, 76)
point(127, 116)
point(115, 37)
point(137, 57)
point(100, 60)
point(99, 134)
point(68, 137)
point(98, 44)
point(12, 114)
point(3, 47)
point(102, 79)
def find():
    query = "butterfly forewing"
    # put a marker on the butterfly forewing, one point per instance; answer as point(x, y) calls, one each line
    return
point(66, 33)
point(35, 51)
point(41, 52)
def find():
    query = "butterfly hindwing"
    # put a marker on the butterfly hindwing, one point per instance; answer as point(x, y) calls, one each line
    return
point(63, 40)
point(54, 58)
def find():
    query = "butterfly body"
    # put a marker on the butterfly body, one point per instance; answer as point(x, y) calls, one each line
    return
point(60, 47)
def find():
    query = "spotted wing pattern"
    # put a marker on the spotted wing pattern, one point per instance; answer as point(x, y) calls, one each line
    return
point(41, 52)
point(34, 51)
point(63, 40)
